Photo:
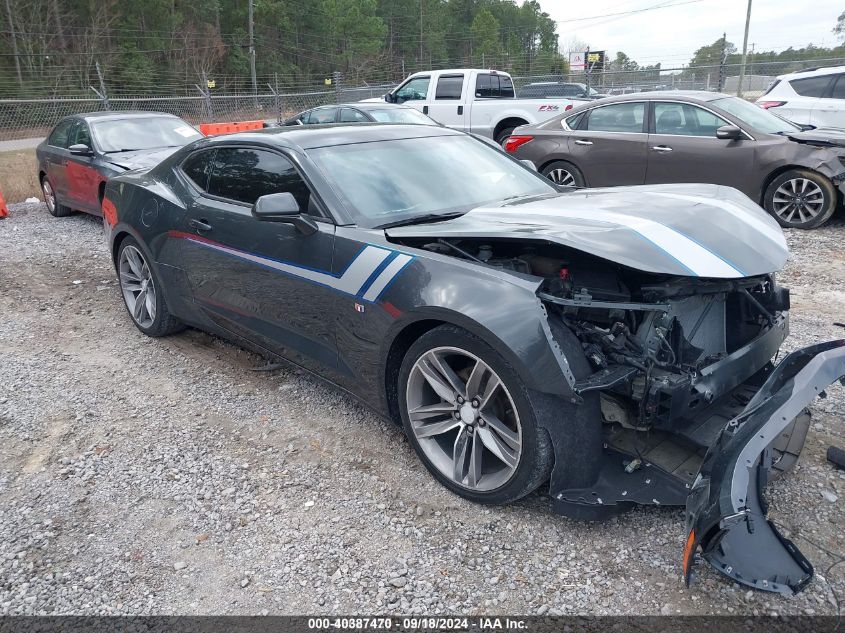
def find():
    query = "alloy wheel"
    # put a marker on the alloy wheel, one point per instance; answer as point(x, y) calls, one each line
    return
point(49, 196)
point(136, 282)
point(799, 196)
point(464, 419)
point(561, 177)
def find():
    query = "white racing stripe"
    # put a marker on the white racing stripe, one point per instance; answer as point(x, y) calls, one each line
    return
point(350, 282)
point(387, 275)
point(762, 224)
point(691, 255)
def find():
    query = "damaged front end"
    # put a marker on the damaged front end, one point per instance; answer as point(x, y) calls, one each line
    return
point(677, 368)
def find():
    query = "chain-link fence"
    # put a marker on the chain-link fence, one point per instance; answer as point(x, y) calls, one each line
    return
point(33, 118)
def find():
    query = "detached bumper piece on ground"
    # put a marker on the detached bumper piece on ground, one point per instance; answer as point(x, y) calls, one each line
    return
point(726, 511)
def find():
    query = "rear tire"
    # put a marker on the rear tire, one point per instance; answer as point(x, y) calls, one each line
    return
point(55, 208)
point(143, 292)
point(502, 136)
point(800, 199)
point(492, 416)
point(565, 174)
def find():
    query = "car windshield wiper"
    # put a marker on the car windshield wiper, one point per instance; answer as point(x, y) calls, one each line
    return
point(422, 219)
point(118, 151)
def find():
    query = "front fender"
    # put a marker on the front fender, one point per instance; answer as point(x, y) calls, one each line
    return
point(506, 313)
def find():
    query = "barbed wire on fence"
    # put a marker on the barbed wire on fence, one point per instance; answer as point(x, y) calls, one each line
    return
point(279, 97)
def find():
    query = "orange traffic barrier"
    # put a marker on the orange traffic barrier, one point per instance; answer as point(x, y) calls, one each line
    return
point(215, 129)
point(4, 210)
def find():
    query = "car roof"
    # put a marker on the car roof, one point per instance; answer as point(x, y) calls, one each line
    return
point(691, 95)
point(364, 105)
point(312, 136)
point(122, 114)
point(812, 72)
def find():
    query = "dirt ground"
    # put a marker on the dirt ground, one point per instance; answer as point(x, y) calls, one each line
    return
point(146, 476)
point(18, 175)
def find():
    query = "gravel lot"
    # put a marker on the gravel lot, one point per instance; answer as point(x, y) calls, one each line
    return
point(144, 476)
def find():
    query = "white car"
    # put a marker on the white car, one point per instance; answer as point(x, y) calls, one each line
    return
point(811, 97)
point(478, 101)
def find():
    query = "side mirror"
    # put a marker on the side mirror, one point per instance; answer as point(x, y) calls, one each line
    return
point(283, 207)
point(390, 97)
point(80, 149)
point(729, 133)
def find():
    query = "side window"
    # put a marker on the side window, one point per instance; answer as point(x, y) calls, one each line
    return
point(483, 87)
point(497, 86)
point(245, 174)
point(323, 115)
point(574, 121)
point(197, 167)
point(811, 86)
point(683, 119)
point(506, 87)
point(59, 135)
point(305, 119)
point(81, 135)
point(449, 87)
point(349, 115)
point(839, 88)
point(416, 89)
point(619, 117)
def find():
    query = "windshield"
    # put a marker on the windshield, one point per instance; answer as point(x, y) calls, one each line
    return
point(143, 133)
point(399, 115)
point(755, 116)
point(395, 180)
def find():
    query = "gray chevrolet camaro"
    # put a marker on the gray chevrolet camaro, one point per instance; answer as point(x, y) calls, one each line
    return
point(796, 174)
point(606, 341)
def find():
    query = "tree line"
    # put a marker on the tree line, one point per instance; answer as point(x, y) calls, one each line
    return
point(153, 45)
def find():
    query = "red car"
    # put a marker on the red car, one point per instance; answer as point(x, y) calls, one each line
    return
point(84, 150)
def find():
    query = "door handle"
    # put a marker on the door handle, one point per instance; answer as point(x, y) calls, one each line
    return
point(200, 225)
point(661, 148)
point(460, 109)
point(583, 142)
point(425, 109)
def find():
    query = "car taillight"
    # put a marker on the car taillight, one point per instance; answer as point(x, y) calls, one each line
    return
point(513, 142)
point(567, 108)
point(771, 104)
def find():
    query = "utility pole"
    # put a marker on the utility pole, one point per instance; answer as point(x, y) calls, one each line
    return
point(421, 34)
point(252, 52)
point(744, 51)
point(14, 42)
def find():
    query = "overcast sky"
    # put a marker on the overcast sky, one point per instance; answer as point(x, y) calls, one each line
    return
point(671, 35)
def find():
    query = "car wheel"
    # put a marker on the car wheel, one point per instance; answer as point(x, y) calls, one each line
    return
point(562, 173)
point(466, 413)
point(52, 202)
point(142, 292)
point(502, 136)
point(800, 199)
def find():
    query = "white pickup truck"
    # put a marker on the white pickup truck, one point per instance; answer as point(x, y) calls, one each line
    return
point(479, 101)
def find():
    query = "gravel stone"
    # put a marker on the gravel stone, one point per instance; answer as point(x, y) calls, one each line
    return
point(118, 452)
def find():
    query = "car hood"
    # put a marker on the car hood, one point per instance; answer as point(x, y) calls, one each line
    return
point(140, 159)
point(824, 137)
point(690, 230)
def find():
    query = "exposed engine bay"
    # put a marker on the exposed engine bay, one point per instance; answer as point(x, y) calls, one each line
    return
point(649, 338)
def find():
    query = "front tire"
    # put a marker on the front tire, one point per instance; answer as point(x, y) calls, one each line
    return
point(55, 209)
point(800, 199)
point(467, 414)
point(142, 292)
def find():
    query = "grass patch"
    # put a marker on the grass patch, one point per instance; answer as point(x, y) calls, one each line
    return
point(19, 175)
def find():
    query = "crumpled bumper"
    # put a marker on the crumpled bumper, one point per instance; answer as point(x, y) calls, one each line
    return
point(726, 511)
